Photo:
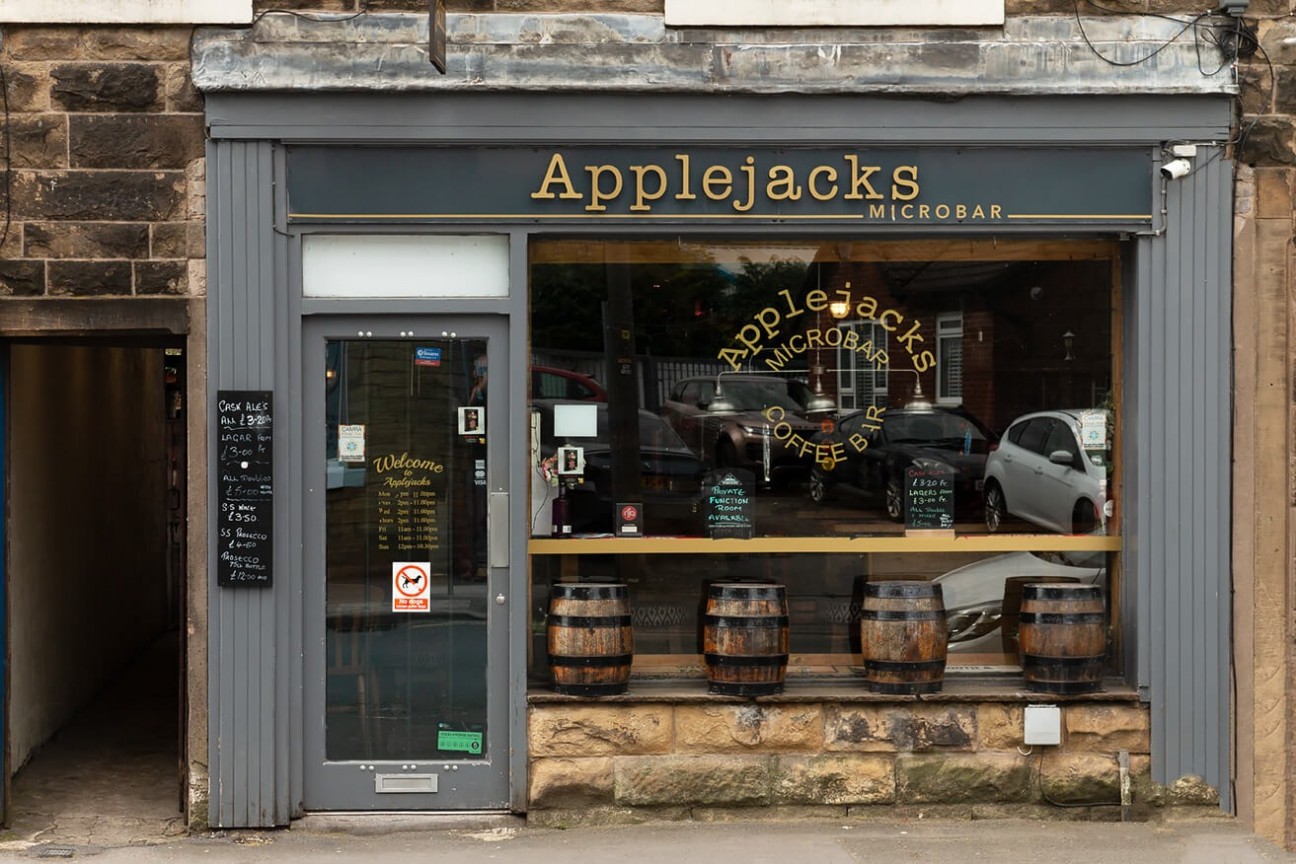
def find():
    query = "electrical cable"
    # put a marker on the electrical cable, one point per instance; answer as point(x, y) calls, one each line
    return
point(1233, 41)
point(1039, 777)
point(1188, 25)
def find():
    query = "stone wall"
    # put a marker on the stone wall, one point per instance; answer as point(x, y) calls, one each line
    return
point(103, 230)
point(1262, 418)
point(106, 163)
point(610, 762)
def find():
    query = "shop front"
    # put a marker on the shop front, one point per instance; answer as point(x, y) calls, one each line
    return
point(682, 344)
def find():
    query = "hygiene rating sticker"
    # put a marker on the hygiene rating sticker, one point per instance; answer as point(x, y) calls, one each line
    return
point(465, 742)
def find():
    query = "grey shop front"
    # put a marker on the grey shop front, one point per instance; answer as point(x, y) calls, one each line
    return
point(375, 261)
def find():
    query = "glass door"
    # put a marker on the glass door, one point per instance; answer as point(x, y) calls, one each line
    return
point(406, 690)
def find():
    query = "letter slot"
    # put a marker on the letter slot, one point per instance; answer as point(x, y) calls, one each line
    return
point(389, 783)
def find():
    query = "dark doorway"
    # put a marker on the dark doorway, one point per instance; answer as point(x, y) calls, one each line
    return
point(95, 459)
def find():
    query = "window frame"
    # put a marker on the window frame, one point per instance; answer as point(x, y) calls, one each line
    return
point(943, 319)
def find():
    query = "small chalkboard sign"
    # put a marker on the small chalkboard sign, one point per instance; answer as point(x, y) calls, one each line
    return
point(245, 488)
point(730, 506)
point(929, 498)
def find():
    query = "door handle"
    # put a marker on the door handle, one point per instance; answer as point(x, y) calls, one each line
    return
point(498, 527)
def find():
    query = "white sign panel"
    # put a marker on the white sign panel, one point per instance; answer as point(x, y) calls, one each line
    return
point(1093, 430)
point(411, 586)
point(351, 442)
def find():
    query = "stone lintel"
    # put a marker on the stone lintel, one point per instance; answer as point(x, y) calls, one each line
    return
point(1029, 55)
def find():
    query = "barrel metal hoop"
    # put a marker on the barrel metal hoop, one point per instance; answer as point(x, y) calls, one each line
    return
point(589, 620)
point(1063, 618)
point(908, 590)
point(1030, 661)
point(591, 661)
point(902, 615)
point(902, 666)
point(746, 660)
point(728, 591)
point(591, 590)
point(745, 620)
point(1045, 591)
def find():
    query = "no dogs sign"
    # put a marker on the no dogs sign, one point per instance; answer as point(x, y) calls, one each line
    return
point(411, 586)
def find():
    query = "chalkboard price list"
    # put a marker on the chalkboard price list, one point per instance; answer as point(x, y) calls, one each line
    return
point(245, 488)
point(929, 498)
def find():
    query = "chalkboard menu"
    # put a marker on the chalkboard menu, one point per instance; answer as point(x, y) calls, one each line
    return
point(730, 506)
point(929, 498)
point(245, 489)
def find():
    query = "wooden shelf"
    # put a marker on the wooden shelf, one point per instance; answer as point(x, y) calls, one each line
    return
point(975, 543)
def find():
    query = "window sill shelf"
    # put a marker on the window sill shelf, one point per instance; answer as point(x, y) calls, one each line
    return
point(915, 542)
point(970, 688)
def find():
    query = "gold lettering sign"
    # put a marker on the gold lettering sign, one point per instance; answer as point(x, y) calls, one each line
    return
point(406, 503)
point(748, 186)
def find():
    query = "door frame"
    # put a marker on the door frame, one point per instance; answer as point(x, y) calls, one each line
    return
point(349, 785)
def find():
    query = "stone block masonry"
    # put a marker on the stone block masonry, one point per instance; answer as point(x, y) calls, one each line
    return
point(106, 172)
point(613, 761)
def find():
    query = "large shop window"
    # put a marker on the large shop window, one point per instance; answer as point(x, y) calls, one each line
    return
point(821, 415)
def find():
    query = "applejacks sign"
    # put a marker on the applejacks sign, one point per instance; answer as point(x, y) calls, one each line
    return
point(966, 186)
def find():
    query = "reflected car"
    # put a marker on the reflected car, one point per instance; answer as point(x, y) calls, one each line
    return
point(878, 450)
point(723, 420)
point(549, 382)
point(1042, 473)
point(669, 474)
point(974, 594)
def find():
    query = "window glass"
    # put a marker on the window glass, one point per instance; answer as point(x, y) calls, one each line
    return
point(1034, 433)
point(826, 380)
point(981, 596)
point(1062, 438)
point(742, 349)
point(949, 335)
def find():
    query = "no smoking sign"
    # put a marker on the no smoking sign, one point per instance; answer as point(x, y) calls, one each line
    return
point(411, 586)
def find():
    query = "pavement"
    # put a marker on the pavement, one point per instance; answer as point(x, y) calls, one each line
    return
point(467, 840)
point(106, 788)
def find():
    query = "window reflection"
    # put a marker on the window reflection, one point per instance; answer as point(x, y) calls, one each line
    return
point(828, 370)
point(981, 598)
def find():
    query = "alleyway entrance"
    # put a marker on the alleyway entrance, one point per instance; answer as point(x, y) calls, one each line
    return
point(94, 455)
point(109, 774)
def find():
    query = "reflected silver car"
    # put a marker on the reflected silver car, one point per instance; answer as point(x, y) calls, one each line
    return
point(1050, 469)
point(974, 594)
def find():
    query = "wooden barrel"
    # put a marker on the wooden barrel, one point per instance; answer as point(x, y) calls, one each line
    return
point(1063, 637)
point(903, 637)
point(1010, 611)
point(745, 638)
point(591, 640)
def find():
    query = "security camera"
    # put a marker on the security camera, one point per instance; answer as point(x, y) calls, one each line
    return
point(1176, 168)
